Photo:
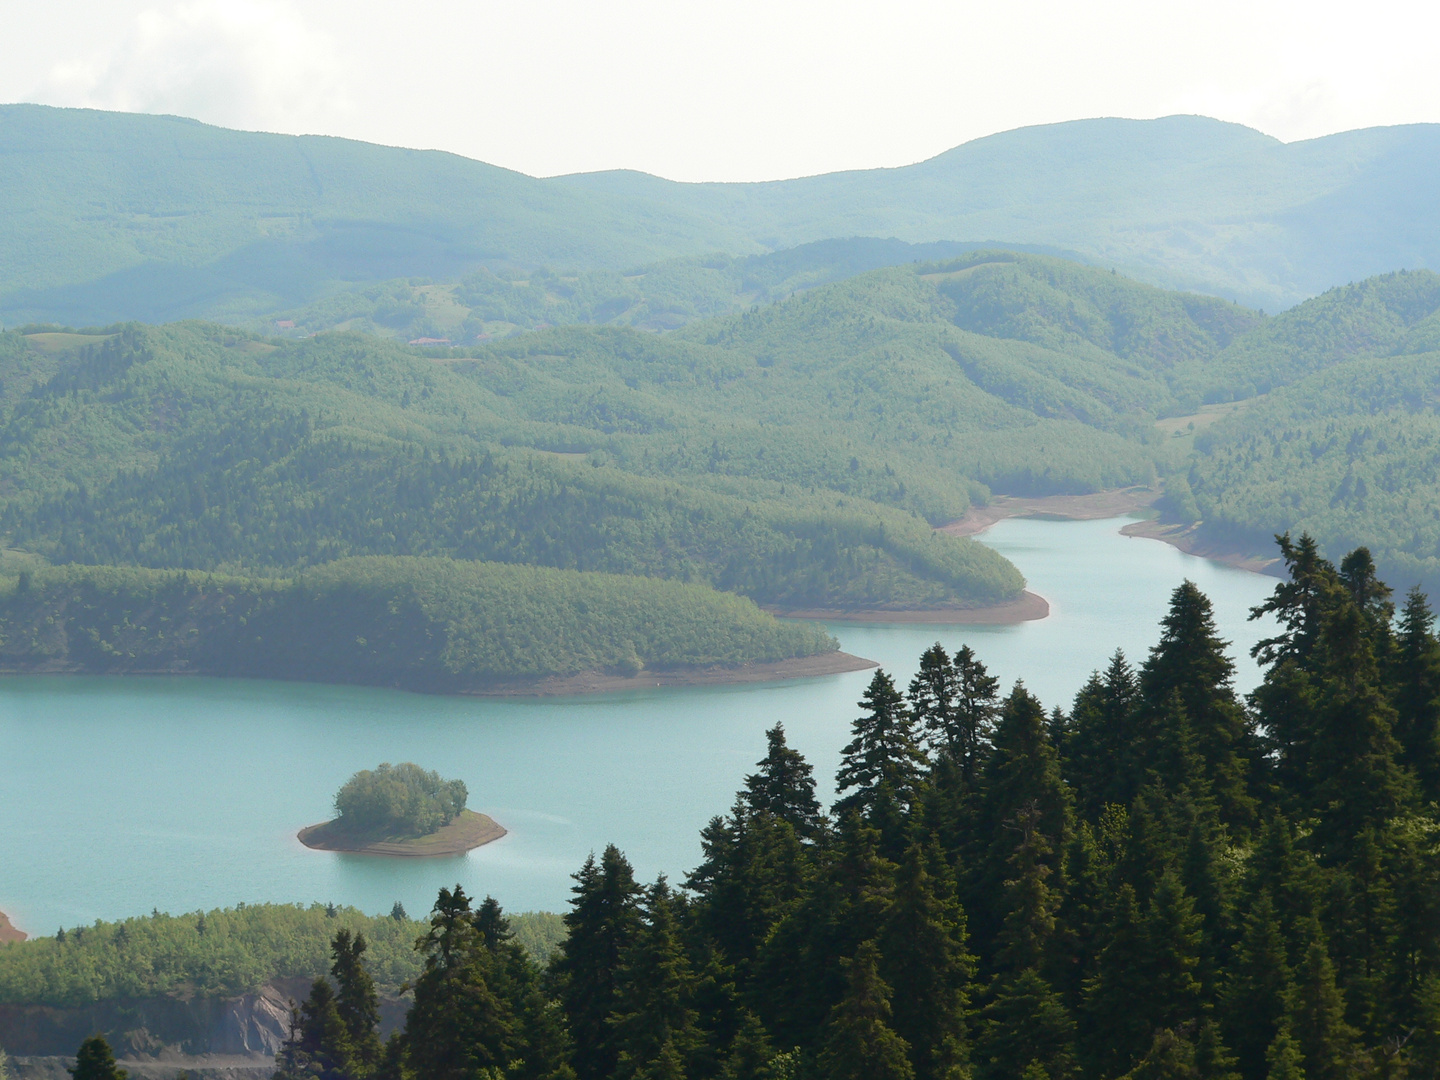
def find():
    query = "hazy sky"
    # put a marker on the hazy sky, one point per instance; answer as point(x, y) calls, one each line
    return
point(733, 90)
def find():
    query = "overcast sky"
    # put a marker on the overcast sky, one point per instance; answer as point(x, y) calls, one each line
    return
point(733, 90)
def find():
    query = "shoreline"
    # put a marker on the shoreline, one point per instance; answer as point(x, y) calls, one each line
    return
point(584, 682)
point(1092, 507)
point(1187, 539)
point(467, 832)
point(9, 931)
point(1030, 606)
point(1108, 504)
point(598, 682)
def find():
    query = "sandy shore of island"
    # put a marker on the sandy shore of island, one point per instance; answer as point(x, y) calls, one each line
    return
point(597, 682)
point(467, 832)
point(1029, 606)
point(8, 931)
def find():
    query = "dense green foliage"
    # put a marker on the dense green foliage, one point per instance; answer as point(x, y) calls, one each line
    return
point(190, 446)
point(661, 296)
point(219, 953)
point(124, 216)
point(435, 624)
point(399, 799)
point(1348, 447)
point(1164, 882)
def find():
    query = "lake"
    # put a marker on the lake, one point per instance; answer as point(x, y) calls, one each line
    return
point(122, 795)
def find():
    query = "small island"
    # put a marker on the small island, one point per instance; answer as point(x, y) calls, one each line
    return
point(402, 810)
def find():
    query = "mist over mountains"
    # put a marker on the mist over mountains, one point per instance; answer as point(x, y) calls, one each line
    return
point(119, 216)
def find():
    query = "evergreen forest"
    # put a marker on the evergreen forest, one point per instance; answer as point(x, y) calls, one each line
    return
point(1163, 881)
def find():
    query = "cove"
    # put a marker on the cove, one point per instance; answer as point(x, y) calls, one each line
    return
point(122, 795)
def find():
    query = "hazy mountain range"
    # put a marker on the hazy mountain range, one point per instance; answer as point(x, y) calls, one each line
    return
point(114, 216)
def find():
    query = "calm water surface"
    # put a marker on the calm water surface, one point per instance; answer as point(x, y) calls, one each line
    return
point(118, 796)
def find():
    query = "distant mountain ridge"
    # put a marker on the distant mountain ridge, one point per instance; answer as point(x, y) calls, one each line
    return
point(115, 215)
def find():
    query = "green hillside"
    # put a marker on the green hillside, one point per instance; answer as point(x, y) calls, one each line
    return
point(1346, 446)
point(193, 446)
point(120, 216)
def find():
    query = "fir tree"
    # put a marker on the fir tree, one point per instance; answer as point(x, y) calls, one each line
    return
point(1257, 986)
point(1417, 693)
point(356, 1003)
point(1102, 758)
point(459, 1024)
point(859, 1042)
point(1025, 1030)
point(1189, 665)
point(654, 1020)
point(1316, 1014)
point(602, 925)
point(96, 1061)
point(926, 962)
point(784, 786)
point(1283, 1060)
point(882, 764)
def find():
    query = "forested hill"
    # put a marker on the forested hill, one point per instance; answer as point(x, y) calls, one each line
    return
point(193, 446)
point(1346, 445)
point(117, 216)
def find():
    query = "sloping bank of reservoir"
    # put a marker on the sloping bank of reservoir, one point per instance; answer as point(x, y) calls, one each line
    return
point(428, 624)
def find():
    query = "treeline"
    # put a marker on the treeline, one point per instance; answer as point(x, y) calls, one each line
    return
point(1163, 882)
point(219, 953)
point(433, 624)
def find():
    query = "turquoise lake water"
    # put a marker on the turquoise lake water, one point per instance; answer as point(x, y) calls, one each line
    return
point(122, 795)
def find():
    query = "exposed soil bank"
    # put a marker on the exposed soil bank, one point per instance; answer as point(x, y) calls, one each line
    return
point(1188, 540)
point(597, 682)
point(467, 832)
point(1102, 504)
point(8, 931)
point(1029, 606)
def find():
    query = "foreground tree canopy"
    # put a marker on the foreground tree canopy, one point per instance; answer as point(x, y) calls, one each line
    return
point(1165, 881)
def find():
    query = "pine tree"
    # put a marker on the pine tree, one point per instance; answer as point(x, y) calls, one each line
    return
point(955, 703)
point(1189, 664)
point(859, 1041)
point(882, 764)
point(654, 1019)
point(1283, 1060)
point(1416, 678)
point(95, 1061)
point(926, 962)
point(1316, 1014)
point(1257, 986)
point(784, 786)
point(1213, 1060)
point(602, 925)
point(1117, 1024)
point(1025, 1030)
point(357, 1004)
point(459, 1024)
point(1024, 815)
point(1102, 759)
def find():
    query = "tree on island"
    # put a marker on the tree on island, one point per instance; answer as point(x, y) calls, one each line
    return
point(399, 800)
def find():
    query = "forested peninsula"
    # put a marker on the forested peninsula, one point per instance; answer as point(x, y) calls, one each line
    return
point(438, 625)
